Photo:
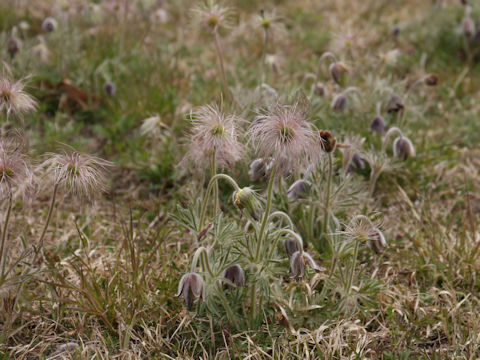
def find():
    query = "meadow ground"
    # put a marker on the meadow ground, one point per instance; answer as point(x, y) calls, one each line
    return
point(360, 240)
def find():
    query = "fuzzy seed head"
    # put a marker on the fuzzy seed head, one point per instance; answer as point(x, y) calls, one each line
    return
point(15, 167)
point(212, 16)
point(403, 148)
point(285, 135)
point(13, 98)
point(468, 27)
point(191, 287)
point(213, 132)
point(81, 174)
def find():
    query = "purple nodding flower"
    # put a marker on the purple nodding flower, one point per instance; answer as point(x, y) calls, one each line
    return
point(235, 275)
point(376, 241)
point(192, 287)
point(403, 148)
point(378, 125)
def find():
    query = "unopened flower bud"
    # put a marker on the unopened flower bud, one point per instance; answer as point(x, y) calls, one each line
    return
point(298, 262)
point(192, 287)
point(395, 104)
point(235, 275)
point(403, 148)
point(13, 46)
point(320, 89)
point(357, 163)
point(396, 31)
point(376, 241)
point(49, 24)
point(291, 246)
point(378, 126)
point(299, 189)
point(246, 199)
point(258, 170)
point(431, 80)
point(468, 27)
point(328, 141)
point(110, 89)
point(339, 72)
point(339, 103)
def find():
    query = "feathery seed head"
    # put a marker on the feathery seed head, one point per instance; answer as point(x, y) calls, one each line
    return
point(285, 135)
point(213, 133)
point(13, 98)
point(15, 167)
point(81, 174)
point(212, 16)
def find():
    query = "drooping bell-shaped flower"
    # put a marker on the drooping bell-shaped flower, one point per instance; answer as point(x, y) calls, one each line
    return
point(403, 148)
point(191, 287)
point(235, 275)
point(299, 261)
point(376, 241)
point(299, 189)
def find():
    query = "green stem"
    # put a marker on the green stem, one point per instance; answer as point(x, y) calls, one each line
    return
point(5, 228)
point(212, 181)
point(282, 215)
point(326, 215)
point(332, 269)
point(266, 215)
point(350, 280)
point(373, 181)
point(215, 189)
point(49, 217)
point(264, 56)
point(311, 217)
point(220, 60)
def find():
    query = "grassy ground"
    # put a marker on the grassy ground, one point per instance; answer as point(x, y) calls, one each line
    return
point(104, 286)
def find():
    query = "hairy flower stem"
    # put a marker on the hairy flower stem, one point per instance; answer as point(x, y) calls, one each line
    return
point(326, 215)
point(264, 56)
point(266, 215)
point(260, 235)
point(212, 182)
point(5, 228)
point(220, 60)
point(352, 272)
point(215, 189)
point(311, 220)
point(373, 181)
point(49, 217)
point(281, 215)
